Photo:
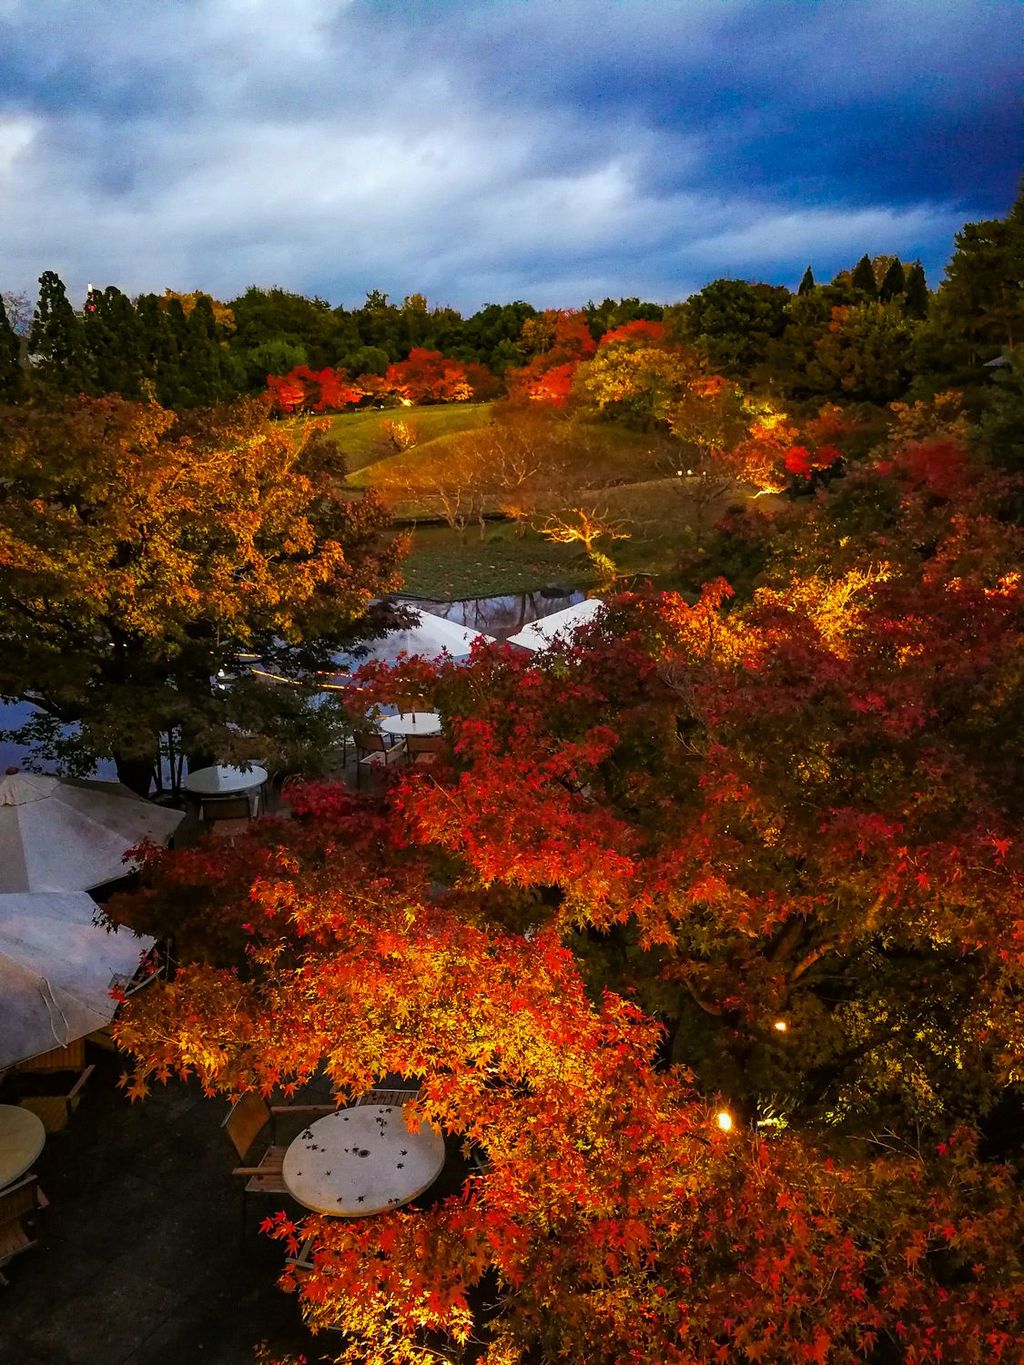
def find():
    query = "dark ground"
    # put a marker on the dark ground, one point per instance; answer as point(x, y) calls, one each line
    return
point(139, 1256)
point(140, 1259)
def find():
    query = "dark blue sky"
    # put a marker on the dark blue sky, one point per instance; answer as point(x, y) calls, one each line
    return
point(484, 150)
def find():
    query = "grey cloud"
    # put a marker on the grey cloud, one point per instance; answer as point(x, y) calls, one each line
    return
point(338, 147)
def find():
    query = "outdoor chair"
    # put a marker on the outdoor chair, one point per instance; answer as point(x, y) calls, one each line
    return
point(55, 1110)
point(226, 816)
point(373, 753)
point(426, 750)
point(249, 1115)
point(18, 1202)
point(392, 1096)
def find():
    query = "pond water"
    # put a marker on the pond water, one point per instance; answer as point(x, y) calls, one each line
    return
point(502, 616)
point(497, 616)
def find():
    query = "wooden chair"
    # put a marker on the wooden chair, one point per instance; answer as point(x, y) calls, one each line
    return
point(426, 750)
point(55, 1110)
point(249, 1115)
point(226, 816)
point(373, 753)
point(17, 1202)
point(382, 1096)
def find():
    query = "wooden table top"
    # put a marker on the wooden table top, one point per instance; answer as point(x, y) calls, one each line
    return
point(22, 1137)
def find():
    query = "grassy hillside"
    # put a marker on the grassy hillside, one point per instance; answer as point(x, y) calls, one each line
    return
point(632, 473)
point(606, 453)
point(363, 442)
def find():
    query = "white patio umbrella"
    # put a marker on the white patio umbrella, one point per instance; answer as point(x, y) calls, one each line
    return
point(57, 969)
point(560, 624)
point(58, 834)
point(429, 638)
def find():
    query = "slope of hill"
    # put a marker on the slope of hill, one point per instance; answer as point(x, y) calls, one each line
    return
point(362, 435)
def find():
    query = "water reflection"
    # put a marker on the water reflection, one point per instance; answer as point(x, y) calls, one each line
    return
point(502, 616)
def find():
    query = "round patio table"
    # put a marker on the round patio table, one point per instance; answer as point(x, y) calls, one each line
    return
point(22, 1136)
point(412, 723)
point(361, 1161)
point(224, 780)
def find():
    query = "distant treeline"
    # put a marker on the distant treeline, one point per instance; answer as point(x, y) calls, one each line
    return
point(874, 333)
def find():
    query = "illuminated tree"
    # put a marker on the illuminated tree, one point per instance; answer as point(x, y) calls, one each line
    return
point(141, 553)
point(306, 390)
point(635, 381)
point(428, 377)
point(702, 806)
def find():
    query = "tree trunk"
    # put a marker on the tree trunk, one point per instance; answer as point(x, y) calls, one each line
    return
point(135, 773)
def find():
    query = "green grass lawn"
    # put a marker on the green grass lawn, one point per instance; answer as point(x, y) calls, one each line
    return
point(363, 442)
point(446, 566)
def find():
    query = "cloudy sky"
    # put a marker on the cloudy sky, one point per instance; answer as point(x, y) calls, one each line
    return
point(488, 150)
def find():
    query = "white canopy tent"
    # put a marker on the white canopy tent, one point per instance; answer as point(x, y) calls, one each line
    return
point(57, 969)
point(429, 638)
point(559, 625)
point(58, 834)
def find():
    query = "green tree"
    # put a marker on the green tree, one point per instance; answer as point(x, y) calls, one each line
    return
point(807, 285)
point(202, 370)
point(981, 298)
point(11, 380)
point(276, 315)
point(367, 360)
point(864, 276)
point(113, 339)
point(383, 325)
point(491, 335)
point(276, 356)
point(863, 355)
point(893, 282)
point(57, 339)
point(611, 313)
point(733, 322)
point(787, 357)
point(161, 331)
point(916, 297)
point(1002, 425)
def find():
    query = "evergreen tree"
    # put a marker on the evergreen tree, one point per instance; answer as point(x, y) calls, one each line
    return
point(160, 348)
point(202, 379)
point(112, 337)
point(981, 298)
point(807, 285)
point(57, 339)
point(864, 276)
point(894, 282)
point(916, 297)
point(10, 360)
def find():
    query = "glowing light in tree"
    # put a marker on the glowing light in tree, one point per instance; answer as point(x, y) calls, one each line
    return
point(724, 1120)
